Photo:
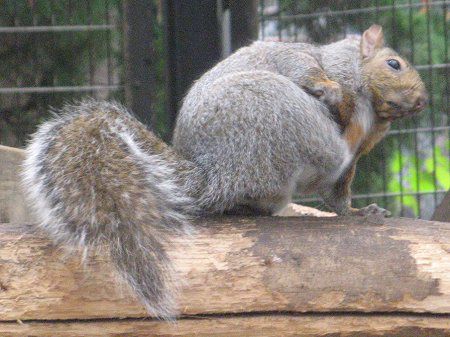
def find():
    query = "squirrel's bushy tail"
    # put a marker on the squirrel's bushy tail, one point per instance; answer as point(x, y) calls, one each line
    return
point(98, 178)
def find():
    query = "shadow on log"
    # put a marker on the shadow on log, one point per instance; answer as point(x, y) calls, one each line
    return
point(275, 325)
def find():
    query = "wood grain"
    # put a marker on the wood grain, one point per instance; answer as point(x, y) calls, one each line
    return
point(12, 202)
point(238, 265)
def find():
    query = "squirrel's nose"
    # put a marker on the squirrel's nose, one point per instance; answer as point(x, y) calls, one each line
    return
point(421, 102)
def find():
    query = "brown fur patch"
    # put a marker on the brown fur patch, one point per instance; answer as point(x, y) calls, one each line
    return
point(377, 133)
point(353, 134)
point(347, 107)
point(342, 188)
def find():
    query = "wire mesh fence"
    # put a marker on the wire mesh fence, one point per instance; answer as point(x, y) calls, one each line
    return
point(55, 51)
point(409, 171)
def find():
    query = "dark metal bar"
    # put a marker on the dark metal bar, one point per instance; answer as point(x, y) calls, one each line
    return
point(360, 20)
point(70, 4)
point(33, 13)
point(108, 44)
point(345, 6)
point(53, 23)
point(377, 11)
point(120, 21)
point(90, 47)
point(262, 18)
point(52, 9)
point(446, 103)
point(72, 34)
point(296, 30)
point(19, 56)
point(139, 59)
point(384, 175)
point(244, 22)
point(383, 150)
point(171, 60)
point(399, 139)
point(431, 104)
point(416, 142)
point(279, 20)
point(193, 45)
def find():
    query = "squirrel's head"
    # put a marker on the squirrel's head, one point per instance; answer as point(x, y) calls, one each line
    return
point(396, 86)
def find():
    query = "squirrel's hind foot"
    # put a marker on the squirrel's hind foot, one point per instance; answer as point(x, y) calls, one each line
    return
point(369, 210)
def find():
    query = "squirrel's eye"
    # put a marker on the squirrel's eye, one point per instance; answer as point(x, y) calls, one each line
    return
point(393, 64)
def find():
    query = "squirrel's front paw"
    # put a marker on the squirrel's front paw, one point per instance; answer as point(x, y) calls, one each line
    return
point(371, 209)
point(329, 92)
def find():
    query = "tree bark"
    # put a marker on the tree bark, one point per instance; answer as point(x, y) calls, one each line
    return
point(244, 265)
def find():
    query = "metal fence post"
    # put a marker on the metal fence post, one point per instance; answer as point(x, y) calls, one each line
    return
point(139, 57)
point(193, 46)
point(244, 22)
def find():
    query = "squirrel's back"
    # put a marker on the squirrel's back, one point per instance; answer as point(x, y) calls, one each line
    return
point(260, 56)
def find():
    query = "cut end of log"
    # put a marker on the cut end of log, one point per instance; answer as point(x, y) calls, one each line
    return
point(300, 210)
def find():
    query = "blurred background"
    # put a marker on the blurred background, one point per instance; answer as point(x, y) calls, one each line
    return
point(146, 54)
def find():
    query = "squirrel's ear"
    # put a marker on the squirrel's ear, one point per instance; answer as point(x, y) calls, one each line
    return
point(372, 39)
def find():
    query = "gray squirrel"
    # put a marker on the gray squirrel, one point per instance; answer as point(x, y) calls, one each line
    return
point(251, 131)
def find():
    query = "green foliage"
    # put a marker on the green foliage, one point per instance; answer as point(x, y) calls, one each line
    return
point(431, 174)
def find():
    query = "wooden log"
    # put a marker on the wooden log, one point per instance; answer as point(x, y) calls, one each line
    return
point(237, 265)
point(12, 203)
point(261, 326)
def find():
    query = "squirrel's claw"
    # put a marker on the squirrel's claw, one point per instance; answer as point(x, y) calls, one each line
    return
point(372, 209)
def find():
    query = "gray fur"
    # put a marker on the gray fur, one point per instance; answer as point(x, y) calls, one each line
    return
point(72, 175)
point(257, 134)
